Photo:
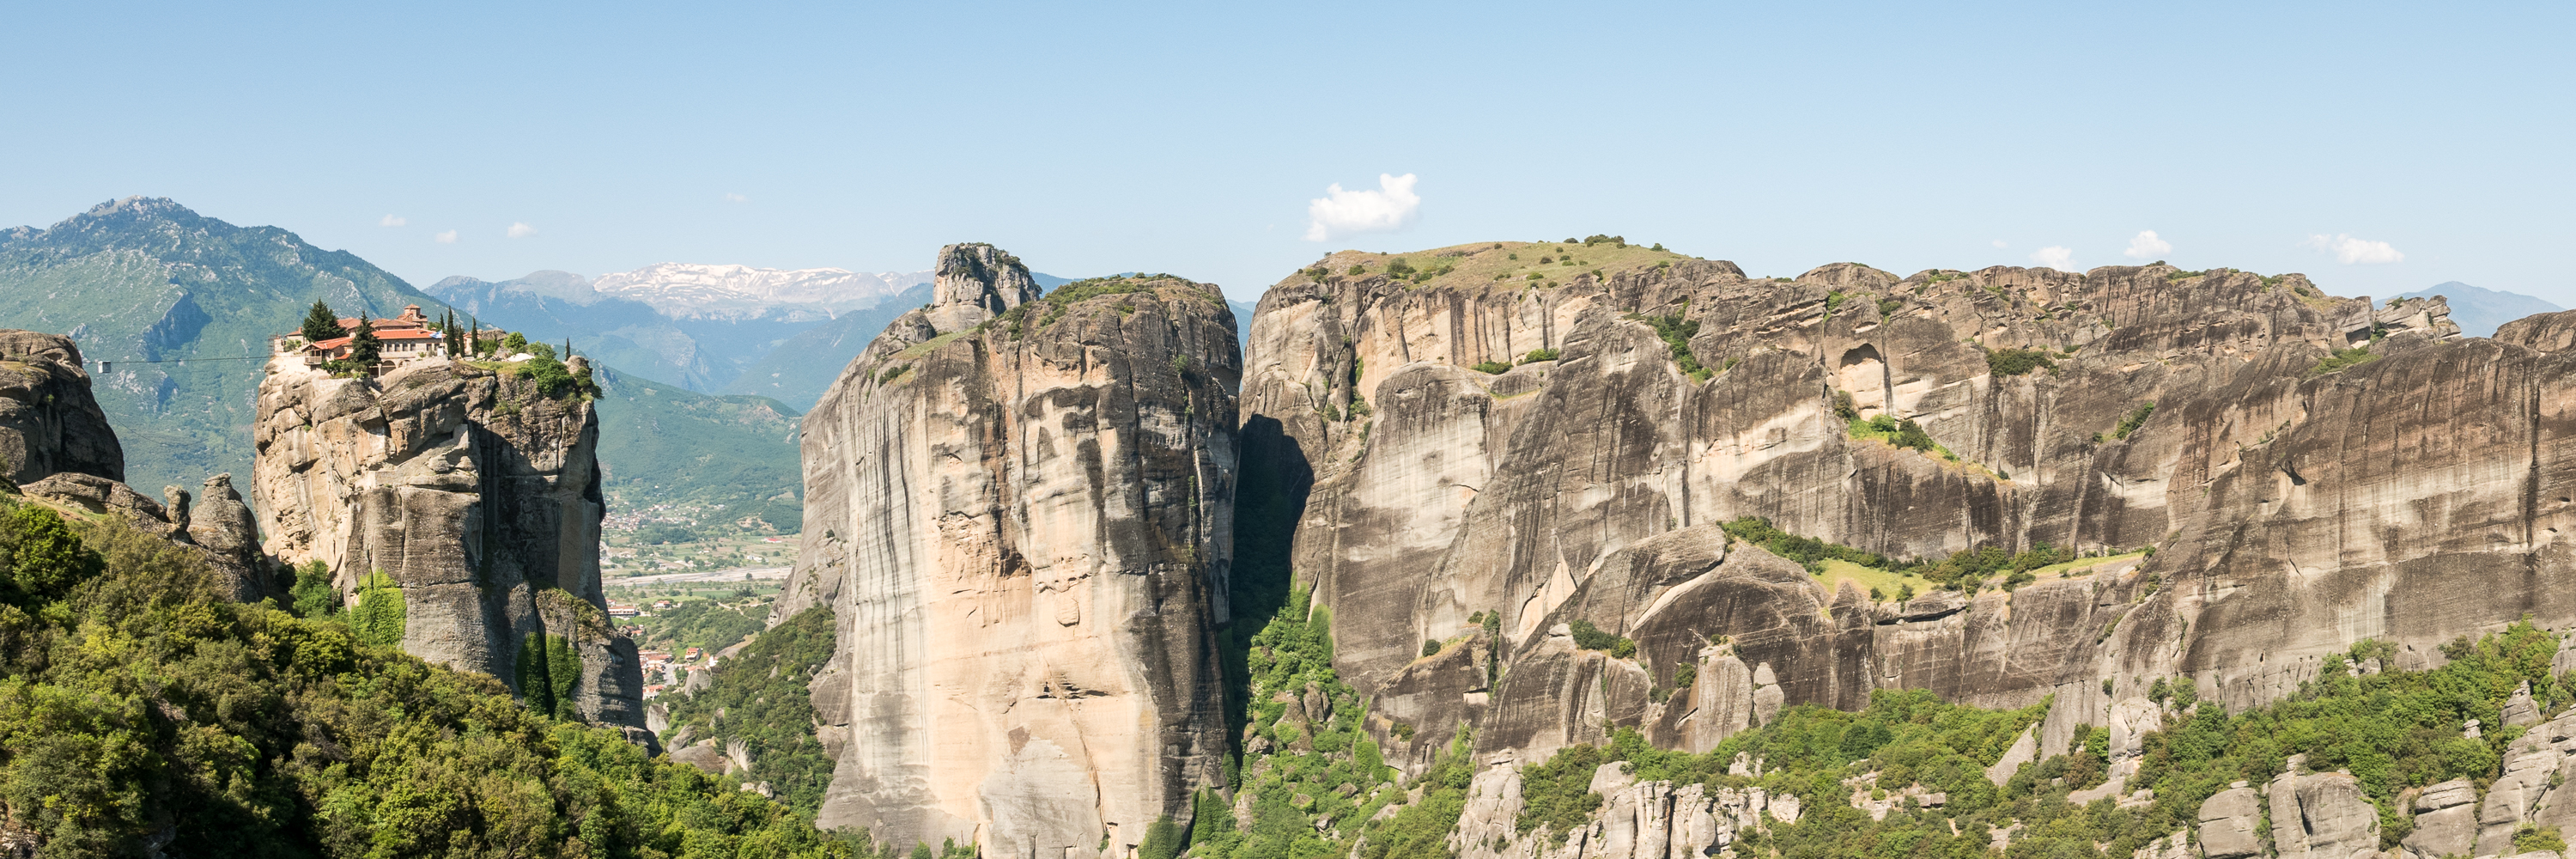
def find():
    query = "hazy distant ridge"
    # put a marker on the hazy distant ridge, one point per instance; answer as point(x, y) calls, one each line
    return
point(2480, 311)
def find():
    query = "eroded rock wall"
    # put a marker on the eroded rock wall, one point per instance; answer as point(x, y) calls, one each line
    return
point(2296, 506)
point(474, 493)
point(1020, 512)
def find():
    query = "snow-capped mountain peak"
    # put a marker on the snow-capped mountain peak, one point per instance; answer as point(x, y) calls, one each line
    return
point(703, 291)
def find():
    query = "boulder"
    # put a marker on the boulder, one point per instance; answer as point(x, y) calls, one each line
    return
point(2228, 824)
point(2321, 816)
point(2446, 820)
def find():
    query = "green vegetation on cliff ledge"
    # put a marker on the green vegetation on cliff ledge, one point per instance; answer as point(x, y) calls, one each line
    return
point(2017, 362)
point(760, 697)
point(2392, 730)
point(138, 707)
point(1964, 571)
point(1677, 329)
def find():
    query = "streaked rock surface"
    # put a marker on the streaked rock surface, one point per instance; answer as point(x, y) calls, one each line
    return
point(1020, 513)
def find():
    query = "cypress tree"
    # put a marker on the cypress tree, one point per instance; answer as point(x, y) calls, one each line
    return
point(320, 323)
point(364, 349)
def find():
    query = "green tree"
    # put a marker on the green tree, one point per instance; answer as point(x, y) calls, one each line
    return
point(364, 348)
point(44, 559)
point(313, 594)
point(379, 618)
point(320, 323)
point(1163, 840)
point(548, 669)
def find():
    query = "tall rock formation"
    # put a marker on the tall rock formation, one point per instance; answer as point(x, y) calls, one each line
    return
point(1019, 510)
point(48, 420)
point(56, 445)
point(2297, 504)
point(473, 492)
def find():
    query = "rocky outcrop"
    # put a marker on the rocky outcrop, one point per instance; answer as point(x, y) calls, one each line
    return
point(2322, 815)
point(56, 445)
point(1019, 511)
point(1637, 820)
point(49, 423)
point(2231, 824)
point(1447, 470)
point(475, 494)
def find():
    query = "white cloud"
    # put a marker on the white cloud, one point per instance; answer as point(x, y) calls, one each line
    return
point(2352, 251)
point(447, 238)
point(2061, 259)
point(521, 230)
point(392, 221)
point(1391, 207)
point(2145, 244)
point(2000, 243)
point(736, 198)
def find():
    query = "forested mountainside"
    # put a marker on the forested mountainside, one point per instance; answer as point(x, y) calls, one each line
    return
point(182, 307)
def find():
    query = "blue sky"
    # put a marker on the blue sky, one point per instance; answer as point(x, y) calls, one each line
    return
point(2379, 148)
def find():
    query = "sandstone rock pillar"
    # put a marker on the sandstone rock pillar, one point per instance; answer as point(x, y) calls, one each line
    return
point(1019, 510)
point(473, 492)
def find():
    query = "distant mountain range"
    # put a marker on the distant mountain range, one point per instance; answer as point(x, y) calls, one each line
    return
point(179, 307)
point(2480, 311)
point(716, 329)
point(738, 292)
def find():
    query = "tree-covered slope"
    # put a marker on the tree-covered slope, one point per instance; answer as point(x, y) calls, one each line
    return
point(142, 714)
point(760, 697)
point(663, 444)
point(183, 305)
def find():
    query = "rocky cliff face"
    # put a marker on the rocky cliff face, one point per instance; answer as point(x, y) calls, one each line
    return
point(476, 495)
point(56, 445)
point(2296, 504)
point(1019, 510)
point(48, 421)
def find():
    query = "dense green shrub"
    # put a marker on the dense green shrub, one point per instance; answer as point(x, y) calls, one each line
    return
point(2137, 418)
point(2344, 358)
point(1807, 551)
point(1903, 433)
point(1541, 354)
point(378, 619)
point(313, 594)
point(1676, 330)
point(2016, 362)
point(42, 556)
point(2530, 839)
point(1492, 367)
